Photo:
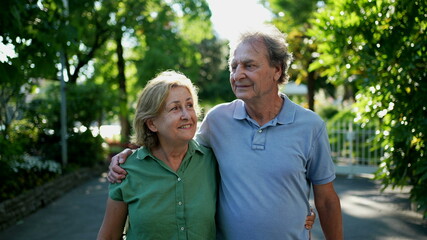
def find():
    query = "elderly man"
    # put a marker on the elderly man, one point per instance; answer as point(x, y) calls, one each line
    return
point(270, 151)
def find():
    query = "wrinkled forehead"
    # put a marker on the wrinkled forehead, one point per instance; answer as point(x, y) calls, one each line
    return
point(247, 51)
point(254, 41)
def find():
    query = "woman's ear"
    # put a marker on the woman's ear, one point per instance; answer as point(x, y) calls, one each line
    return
point(150, 124)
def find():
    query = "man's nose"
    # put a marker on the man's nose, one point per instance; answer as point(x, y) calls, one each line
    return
point(238, 73)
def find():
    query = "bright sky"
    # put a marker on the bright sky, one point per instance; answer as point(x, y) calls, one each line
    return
point(230, 15)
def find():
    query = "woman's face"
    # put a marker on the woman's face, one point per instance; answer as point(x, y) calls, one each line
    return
point(177, 123)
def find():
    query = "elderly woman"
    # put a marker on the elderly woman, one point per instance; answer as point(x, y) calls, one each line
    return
point(171, 187)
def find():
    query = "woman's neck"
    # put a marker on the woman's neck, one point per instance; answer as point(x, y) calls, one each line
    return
point(170, 155)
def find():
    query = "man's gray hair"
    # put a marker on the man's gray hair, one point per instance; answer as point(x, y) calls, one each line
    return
point(275, 42)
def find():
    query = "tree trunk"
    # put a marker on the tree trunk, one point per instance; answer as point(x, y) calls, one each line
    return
point(121, 78)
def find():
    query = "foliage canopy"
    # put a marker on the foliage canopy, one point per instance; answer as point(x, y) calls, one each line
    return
point(109, 49)
point(381, 47)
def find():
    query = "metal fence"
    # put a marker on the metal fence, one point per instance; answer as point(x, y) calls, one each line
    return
point(354, 149)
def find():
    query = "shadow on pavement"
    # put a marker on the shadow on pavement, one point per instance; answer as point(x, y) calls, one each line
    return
point(367, 214)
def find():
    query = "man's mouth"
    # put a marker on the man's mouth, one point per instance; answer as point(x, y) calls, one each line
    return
point(242, 86)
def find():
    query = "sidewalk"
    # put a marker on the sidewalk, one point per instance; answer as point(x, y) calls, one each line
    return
point(75, 216)
point(367, 214)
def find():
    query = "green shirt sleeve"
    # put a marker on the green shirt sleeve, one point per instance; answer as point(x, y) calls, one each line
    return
point(115, 192)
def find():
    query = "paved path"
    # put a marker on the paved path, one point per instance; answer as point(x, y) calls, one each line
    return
point(368, 214)
point(75, 216)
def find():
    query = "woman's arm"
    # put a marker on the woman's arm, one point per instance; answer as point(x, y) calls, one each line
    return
point(114, 220)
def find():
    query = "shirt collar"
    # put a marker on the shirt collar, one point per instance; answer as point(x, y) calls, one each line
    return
point(287, 113)
point(240, 111)
point(193, 147)
point(285, 116)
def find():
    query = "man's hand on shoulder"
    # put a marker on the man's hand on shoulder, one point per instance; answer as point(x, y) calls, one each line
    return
point(115, 173)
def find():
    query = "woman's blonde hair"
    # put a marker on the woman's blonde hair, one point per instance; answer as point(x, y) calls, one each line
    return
point(152, 101)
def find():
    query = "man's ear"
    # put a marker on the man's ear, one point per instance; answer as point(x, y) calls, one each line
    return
point(151, 125)
point(278, 73)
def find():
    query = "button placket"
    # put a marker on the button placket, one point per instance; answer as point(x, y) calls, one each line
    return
point(180, 209)
point(258, 141)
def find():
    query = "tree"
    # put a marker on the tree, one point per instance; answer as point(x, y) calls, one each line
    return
point(213, 80)
point(87, 33)
point(164, 36)
point(111, 48)
point(381, 47)
point(27, 38)
point(293, 18)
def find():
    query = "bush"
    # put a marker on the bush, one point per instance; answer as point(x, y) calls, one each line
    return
point(85, 150)
point(21, 172)
point(25, 174)
point(16, 172)
point(328, 112)
point(37, 133)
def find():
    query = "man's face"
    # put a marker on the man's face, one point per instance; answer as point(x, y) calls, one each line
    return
point(251, 76)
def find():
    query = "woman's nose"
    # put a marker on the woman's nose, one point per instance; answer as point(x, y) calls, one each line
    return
point(185, 114)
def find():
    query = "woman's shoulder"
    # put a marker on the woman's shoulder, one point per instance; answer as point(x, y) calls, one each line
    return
point(199, 147)
point(136, 156)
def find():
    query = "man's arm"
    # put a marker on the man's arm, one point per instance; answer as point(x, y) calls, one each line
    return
point(329, 208)
point(115, 173)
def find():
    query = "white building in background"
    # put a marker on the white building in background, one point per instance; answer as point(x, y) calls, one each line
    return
point(293, 89)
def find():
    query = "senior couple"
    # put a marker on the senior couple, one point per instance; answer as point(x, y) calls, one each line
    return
point(247, 175)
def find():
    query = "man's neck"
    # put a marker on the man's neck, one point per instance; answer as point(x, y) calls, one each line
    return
point(264, 111)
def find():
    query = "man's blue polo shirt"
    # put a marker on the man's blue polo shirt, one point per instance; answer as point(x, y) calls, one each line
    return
point(266, 171)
